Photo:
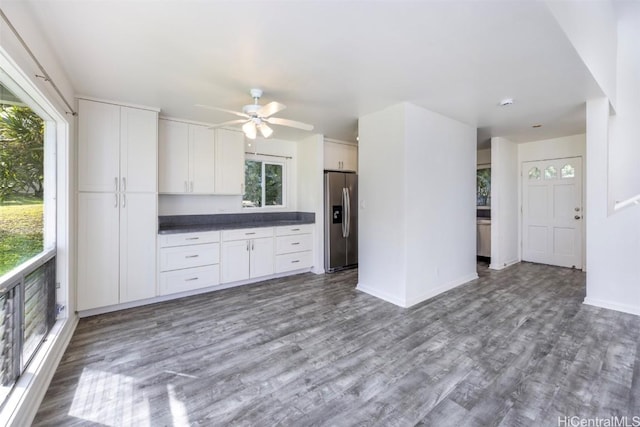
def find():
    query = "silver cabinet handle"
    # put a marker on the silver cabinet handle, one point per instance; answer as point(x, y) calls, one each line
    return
point(186, 189)
point(247, 245)
point(191, 279)
point(295, 261)
point(295, 229)
point(124, 200)
point(252, 245)
point(191, 186)
point(124, 184)
point(250, 234)
point(192, 238)
point(115, 184)
point(115, 204)
point(295, 243)
point(192, 256)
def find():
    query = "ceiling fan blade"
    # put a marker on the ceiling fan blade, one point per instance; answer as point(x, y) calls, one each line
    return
point(265, 130)
point(290, 123)
point(230, 122)
point(237, 113)
point(270, 109)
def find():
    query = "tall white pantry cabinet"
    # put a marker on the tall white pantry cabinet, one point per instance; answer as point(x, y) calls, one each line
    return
point(117, 203)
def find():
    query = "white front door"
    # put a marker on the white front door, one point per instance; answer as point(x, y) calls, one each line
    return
point(552, 212)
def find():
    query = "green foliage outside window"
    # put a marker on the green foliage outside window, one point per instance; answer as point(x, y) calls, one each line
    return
point(264, 183)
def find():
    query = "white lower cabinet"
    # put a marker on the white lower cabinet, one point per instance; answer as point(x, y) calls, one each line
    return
point(294, 248)
point(189, 261)
point(247, 254)
point(115, 232)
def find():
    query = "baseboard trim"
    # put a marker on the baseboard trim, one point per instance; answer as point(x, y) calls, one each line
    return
point(492, 266)
point(624, 308)
point(24, 401)
point(381, 295)
point(162, 298)
point(443, 288)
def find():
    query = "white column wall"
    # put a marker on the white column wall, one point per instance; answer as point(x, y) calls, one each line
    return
point(381, 194)
point(439, 206)
point(310, 190)
point(417, 204)
point(504, 203)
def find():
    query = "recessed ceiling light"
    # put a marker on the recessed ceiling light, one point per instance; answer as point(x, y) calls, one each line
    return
point(537, 126)
point(505, 102)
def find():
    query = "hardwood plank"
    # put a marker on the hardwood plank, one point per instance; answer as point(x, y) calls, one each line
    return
point(514, 348)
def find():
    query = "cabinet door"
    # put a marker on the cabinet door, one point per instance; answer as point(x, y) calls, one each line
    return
point(229, 162)
point(201, 159)
point(98, 146)
point(97, 250)
point(173, 157)
point(262, 257)
point(349, 157)
point(332, 156)
point(138, 150)
point(235, 260)
point(138, 231)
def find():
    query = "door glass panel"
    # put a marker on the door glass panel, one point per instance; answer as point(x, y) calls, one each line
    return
point(550, 173)
point(534, 173)
point(568, 171)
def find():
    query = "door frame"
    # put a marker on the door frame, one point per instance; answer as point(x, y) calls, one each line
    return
point(521, 203)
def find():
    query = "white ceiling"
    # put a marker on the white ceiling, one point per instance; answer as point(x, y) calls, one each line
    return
point(328, 61)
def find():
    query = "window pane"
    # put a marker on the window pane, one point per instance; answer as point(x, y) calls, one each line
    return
point(534, 173)
point(253, 184)
point(550, 173)
point(567, 171)
point(273, 185)
point(21, 184)
point(483, 187)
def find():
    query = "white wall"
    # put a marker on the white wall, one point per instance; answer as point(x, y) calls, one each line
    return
point(439, 204)
point(417, 204)
point(624, 127)
point(613, 238)
point(504, 203)
point(381, 194)
point(310, 190)
point(204, 204)
point(591, 29)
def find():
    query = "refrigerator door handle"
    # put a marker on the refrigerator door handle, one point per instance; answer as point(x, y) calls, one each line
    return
point(344, 212)
point(348, 214)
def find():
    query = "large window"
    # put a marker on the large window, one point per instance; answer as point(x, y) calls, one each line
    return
point(27, 232)
point(264, 183)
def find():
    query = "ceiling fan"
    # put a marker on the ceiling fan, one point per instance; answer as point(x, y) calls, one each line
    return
point(258, 117)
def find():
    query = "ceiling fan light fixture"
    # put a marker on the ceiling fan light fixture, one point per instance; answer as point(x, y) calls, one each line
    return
point(265, 130)
point(249, 129)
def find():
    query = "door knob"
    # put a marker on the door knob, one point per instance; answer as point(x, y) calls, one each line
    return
point(577, 217)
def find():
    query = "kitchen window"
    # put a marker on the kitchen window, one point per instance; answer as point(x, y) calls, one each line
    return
point(264, 183)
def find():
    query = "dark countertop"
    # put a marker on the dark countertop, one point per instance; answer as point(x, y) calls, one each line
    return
point(191, 223)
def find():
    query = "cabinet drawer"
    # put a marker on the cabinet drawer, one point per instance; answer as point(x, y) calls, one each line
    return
point(247, 233)
point(294, 229)
point(182, 239)
point(189, 279)
point(295, 261)
point(189, 256)
point(294, 243)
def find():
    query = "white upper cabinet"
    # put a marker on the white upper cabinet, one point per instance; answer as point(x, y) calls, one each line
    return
point(186, 158)
point(98, 146)
point(229, 162)
point(117, 148)
point(173, 156)
point(340, 156)
point(201, 159)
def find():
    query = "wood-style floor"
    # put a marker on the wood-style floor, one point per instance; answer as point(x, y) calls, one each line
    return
point(516, 347)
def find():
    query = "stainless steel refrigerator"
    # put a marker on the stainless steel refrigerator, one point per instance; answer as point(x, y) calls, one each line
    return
point(340, 220)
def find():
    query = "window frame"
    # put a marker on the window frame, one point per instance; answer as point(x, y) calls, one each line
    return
point(268, 160)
